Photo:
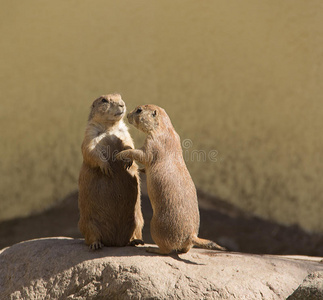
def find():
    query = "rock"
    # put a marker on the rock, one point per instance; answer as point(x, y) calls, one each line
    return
point(311, 288)
point(64, 268)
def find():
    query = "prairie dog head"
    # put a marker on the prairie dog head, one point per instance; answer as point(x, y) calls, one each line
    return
point(149, 118)
point(107, 109)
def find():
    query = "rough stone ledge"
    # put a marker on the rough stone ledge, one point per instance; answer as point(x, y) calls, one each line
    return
point(64, 268)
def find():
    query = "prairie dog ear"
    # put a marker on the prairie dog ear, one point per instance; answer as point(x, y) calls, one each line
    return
point(154, 114)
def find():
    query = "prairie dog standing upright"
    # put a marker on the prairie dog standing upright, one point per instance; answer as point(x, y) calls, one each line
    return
point(175, 222)
point(109, 190)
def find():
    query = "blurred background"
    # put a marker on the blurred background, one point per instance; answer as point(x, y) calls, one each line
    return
point(241, 81)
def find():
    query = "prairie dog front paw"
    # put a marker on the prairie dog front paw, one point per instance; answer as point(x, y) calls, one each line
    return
point(106, 169)
point(123, 155)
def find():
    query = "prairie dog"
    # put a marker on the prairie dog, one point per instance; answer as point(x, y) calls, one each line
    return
point(109, 190)
point(175, 222)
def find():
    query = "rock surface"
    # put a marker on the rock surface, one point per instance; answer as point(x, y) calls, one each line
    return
point(64, 268)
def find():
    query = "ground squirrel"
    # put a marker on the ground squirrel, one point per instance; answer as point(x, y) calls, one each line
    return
point(175, 221)
point(109, 190)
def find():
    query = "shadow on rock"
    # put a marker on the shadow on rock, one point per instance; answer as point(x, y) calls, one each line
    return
point(220, 221)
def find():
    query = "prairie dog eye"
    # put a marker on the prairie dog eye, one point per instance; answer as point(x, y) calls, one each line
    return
point(139, 110)
point(104, 100)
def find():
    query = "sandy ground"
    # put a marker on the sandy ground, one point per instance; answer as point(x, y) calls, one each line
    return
point(220, 221)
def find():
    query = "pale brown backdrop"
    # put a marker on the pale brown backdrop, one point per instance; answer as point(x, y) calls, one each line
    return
point(241, 80)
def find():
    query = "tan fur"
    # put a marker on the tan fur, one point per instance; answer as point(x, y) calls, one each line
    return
point(175, 221)
point(109, 190)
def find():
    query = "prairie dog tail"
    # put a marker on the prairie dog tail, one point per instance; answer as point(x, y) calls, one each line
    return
point(206, 244)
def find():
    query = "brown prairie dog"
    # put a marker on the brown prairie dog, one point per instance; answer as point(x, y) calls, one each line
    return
point(176, 219)
point(109, 190)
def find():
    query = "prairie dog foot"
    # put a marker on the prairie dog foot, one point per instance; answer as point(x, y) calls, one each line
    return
point(136, 242)
point(96, 245)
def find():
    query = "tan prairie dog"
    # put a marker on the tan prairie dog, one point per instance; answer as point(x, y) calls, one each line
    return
point(109, 190)
point(175, 222)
